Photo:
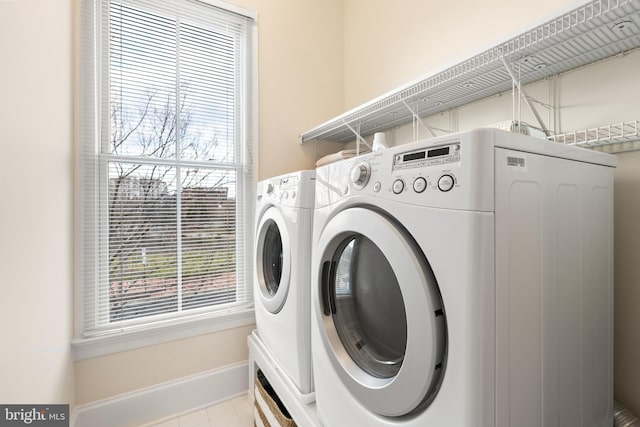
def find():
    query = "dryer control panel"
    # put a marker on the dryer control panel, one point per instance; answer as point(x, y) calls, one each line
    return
point(294, 190)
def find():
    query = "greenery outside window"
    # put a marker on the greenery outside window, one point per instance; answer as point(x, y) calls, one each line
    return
point(166, 164)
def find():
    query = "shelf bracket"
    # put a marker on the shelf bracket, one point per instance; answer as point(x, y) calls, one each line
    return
point(417, 118)
point(524, 96)
point(359, 138)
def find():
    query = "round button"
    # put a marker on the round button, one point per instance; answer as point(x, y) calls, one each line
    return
point(360, 175)
point(398, 186)
point(445, 183)
point(293, 194)
point(419, 185)
point(377, 186)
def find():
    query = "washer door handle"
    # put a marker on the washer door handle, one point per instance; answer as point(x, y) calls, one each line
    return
point(328, 288)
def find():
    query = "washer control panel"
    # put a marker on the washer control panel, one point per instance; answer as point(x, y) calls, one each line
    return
point(416, 171)
point(426, 168)
point(450, 171)
point(428, 156)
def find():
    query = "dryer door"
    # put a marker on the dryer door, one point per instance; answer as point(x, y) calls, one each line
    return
point(380, 312)
point(273, 260)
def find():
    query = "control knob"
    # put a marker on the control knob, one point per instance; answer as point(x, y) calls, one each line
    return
point(269, 187)
point(360, 175)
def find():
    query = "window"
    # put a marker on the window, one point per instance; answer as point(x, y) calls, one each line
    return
point(166, 165)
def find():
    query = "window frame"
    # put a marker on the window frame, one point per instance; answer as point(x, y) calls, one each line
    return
point(90, 107)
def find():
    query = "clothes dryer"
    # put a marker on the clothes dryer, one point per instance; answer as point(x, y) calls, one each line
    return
point(283, 256)
point(464, 281)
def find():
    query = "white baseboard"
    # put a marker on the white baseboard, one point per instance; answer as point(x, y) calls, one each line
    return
point(152, 403)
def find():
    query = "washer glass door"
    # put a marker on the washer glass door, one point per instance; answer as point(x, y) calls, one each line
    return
point(382, 321)
point(370, 318)
point(273, 259)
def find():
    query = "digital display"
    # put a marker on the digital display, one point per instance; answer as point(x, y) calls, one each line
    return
point(438, 152)
point(413, 156)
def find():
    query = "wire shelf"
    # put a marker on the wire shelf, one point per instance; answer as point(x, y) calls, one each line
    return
point(589, 33)
point(617, 136)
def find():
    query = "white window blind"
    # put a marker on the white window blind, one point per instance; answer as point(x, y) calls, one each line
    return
point(166, 166)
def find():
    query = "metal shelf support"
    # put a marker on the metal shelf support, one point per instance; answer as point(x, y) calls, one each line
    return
point(418, 119)
point(359, 138)
point(523, 95)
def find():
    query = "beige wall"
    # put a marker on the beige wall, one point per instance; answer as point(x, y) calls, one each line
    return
point(301, 82)
point(108, 376)
point(389, 44)
point(36, 304)
point(387, 47)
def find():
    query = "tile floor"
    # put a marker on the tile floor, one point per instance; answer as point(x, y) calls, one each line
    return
point(232, 413)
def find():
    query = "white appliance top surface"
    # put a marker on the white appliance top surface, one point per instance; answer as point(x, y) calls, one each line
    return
point(515, 141)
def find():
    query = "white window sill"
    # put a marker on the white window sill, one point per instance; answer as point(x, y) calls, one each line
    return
point(87, 348)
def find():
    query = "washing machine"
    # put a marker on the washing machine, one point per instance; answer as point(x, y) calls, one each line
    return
point(464, 281)
point(283, 257)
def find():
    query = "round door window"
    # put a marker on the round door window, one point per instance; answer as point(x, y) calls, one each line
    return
point(369, 311)
point(272, 258)
point(382, 323)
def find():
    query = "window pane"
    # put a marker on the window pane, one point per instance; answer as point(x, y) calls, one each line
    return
point(173, 85)
point(142, 85)
point(143, 273)
point(208, 85)
point(208, 233)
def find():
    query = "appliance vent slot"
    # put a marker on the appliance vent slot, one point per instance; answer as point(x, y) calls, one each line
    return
point(515, 161)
